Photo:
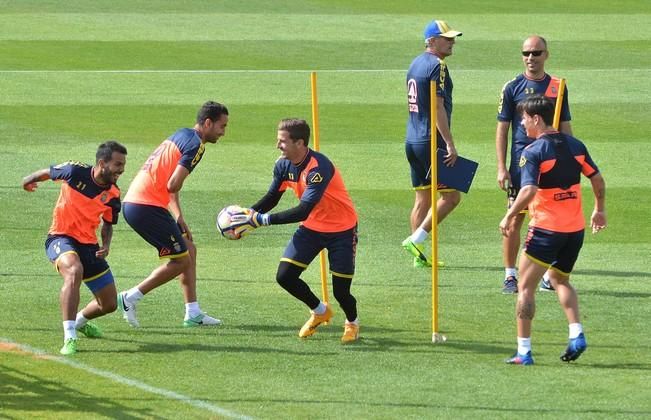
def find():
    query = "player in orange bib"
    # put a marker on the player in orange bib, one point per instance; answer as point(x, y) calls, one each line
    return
point(152, 208)
point(88, 194)
point(551, 169)
point(327, 220)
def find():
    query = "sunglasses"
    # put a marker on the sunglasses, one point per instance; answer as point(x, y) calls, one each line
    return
point(536, 53)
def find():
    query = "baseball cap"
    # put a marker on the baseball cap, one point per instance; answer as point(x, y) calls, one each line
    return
point(438, 28)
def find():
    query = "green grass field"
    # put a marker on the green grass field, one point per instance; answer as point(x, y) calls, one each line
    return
point(76, 73)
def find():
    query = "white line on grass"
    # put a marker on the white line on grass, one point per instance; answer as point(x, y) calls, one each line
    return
point(124, 381)
point(282, 71)
point(208, 71)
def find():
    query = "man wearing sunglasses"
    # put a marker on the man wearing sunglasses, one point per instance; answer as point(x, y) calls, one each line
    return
point(532, 81)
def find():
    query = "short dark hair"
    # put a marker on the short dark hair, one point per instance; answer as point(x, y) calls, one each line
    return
point(297, 129)
point(538, 105)
point(211, 111)
point(106, 149)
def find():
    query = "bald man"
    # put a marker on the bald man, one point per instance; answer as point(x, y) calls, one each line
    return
point(533, 81)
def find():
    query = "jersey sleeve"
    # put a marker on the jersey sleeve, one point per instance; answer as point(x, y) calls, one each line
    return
point(112, 210)
point(438, 76)
point(588, 167)
point(565, 110)
point(63, 171)
point(316, 182)
point(529, 167)
point(277, 184)
point(191, 154)
point(506, 105)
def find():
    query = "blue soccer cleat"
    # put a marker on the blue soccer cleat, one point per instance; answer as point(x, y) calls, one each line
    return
point(546, 286)
point(510, 286)
point(575, 348)
point(520, 359)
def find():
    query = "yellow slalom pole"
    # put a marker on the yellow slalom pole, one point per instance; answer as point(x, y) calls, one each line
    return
point(315, 136)
point(436, 336)
point(559, 104)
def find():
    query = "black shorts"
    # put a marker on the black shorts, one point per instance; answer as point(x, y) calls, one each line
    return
point(156, 226)
point(97, 273)
point(420, 162)
point(557, 250)
point(306, 244)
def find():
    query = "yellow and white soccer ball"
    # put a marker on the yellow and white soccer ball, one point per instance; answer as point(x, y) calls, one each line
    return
point(232, 215)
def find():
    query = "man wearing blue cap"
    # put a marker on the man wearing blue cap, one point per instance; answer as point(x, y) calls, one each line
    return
point(429, 66)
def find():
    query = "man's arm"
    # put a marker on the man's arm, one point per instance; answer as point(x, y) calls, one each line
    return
point(565, 127)
point(523, 199)
point(598, 219)
point(30, 181)
point(107, 235)
point(443, 127)
point(501, 142)
point(174, 185)
point(268, 201)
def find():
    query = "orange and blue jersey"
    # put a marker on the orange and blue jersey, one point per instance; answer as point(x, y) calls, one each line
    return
point(554, 163)
point(515, 92)
point(149, 187)
point(316, 181)
point(82, 202)
point(425, 68)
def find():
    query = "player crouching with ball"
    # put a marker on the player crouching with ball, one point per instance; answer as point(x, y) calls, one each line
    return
point(328, 220)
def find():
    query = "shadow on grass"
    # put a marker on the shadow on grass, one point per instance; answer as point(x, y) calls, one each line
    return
point(612, 273)
point(377, 343)
point(615, 293)
point(439, 406)
point(618, 366)
point(167, 347)
point(28, 393)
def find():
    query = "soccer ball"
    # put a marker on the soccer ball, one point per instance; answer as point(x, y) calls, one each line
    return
point(224, 222)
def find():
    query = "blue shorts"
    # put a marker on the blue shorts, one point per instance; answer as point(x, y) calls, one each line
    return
point(306, 244)
point(156, 226)
point(418, 156)
point(557, 250)
point(97, 273)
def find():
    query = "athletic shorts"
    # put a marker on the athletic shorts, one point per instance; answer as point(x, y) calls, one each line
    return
point(306, 244)
point(557, 250)
point(97, 273)
point(156, 226)
point(418, 156)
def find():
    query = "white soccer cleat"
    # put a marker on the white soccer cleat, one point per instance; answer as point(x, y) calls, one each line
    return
point(128, 310)
point(201, 320)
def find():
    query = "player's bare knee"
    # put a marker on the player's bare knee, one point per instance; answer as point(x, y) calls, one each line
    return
point(179, 265)
point(108, 306)
point(72, 277)
point(453, 198)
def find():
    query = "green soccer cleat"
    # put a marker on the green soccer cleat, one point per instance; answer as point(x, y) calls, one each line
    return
point(69, 347)
point(90, 330)
point(418, 263)
point(417, 251)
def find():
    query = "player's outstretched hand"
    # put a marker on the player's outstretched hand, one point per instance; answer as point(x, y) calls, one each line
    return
point(246, 217)
point(30, 187)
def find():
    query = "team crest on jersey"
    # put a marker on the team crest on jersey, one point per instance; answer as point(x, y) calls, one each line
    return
point(316, 178)
point(103, 197)
point(523, 161)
